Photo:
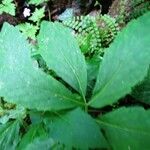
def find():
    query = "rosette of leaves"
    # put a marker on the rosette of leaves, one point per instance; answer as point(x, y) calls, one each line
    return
point(59, 118)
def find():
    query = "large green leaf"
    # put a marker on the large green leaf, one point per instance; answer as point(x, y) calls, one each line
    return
point(127, 128)
point(35, 131)
point(62, 54)
point(23, 83)
point(75, 129)
point(9, 135)
point(142, 91)
point(125, 63)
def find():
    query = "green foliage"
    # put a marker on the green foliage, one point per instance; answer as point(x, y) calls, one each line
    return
point(34, 132)
point(87, 33)
point(37, 15)
point(73, 129)
point(114, 73)
point(47, 144)
point(108, 29)
point(9, 135)
point(17, 67)
point(93, 67)
point(7, 6)
point(57, 98)
point(93, 33)
point(29, 30)
point(142, 91)
point(69, 61)
point(130, 125)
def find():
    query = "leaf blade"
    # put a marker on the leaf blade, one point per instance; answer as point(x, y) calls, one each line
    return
point(131, 125)
point(29, 86)
point(142, 91)
point(34, 132)
point(115, 79)
point(76, 129)
point(9, 135)
point(60, 46)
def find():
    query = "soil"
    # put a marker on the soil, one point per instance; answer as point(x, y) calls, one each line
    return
point(56, 7)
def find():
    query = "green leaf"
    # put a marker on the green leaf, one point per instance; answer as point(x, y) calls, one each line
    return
point(34, 132)
point(28, 30)
point(125, 63)
point(142, 91)
point(92, 71)
point(42, 143)
point(75, 129)
point(9, 135)
point(7, 2)
point(93, 67)
point(37, 15)
point(127, 128)
point(46, 144)
point(8, 6)
point(62, 54)
point(24, 83)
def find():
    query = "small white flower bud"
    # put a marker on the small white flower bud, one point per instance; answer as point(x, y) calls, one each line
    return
point(26, 12)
